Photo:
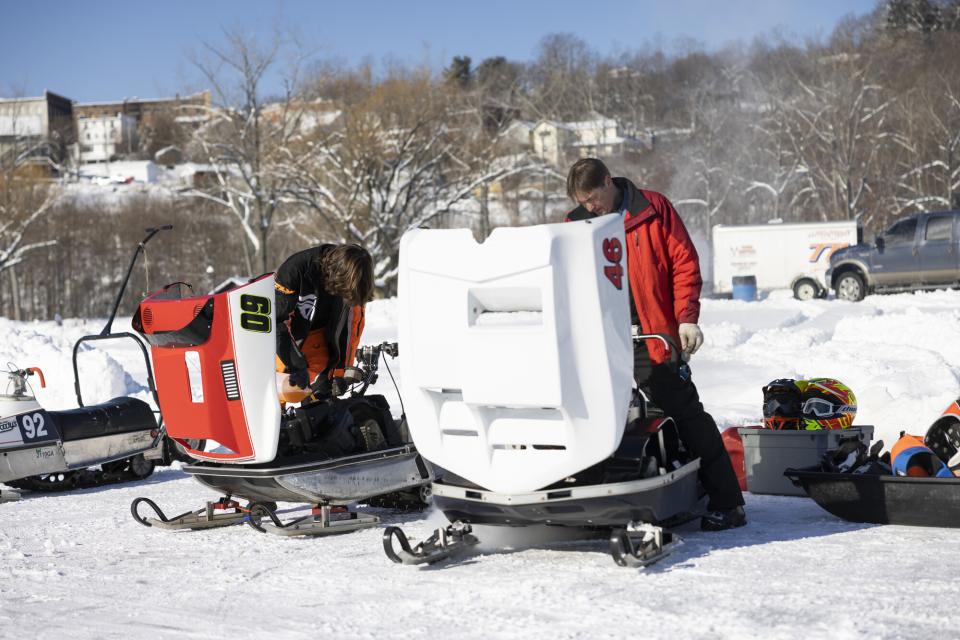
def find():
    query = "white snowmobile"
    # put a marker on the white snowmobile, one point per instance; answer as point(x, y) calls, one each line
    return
point(214, 361)
point(55, 450)
point(518, 382)
point(89, 446)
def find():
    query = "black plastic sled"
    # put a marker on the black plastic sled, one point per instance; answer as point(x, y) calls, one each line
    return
point(883, 499)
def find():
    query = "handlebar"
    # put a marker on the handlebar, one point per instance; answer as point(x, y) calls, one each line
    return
point(141, 246)
point(38, 372)
point(364, 374)
point(676, 354)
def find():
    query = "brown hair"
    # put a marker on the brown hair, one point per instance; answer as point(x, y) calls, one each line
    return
point(585, 175)
point(348, 273)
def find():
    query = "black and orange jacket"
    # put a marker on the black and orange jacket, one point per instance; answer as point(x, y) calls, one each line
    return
point(662, 264)
point(304, 307)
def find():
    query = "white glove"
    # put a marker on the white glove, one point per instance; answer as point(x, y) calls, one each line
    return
point(690, 337)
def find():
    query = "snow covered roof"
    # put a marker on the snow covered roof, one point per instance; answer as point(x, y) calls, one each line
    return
point(230, 283)
point(600, 122)
point(118, 168)
point(133, 100)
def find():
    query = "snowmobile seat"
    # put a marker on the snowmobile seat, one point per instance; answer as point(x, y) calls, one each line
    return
point(120, 415)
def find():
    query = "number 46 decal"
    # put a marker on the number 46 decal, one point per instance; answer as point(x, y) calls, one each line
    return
point(613, 252)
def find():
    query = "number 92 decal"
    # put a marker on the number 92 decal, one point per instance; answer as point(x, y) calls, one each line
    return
point(36, 426)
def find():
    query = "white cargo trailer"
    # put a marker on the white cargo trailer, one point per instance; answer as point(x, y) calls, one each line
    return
point(780, 256)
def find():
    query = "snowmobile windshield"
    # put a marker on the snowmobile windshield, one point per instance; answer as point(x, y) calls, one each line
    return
point(13, 386)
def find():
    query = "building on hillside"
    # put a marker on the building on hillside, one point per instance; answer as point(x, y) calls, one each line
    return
point(520, 132)
point(304, 116)
point(559, 143)
point(192, 175)
point(37, 132)
point(168, 156)
point(105, 138)
point(229, 284)
point(151, 116)
point(120, 172)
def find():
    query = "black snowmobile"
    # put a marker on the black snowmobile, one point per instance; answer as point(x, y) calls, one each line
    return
point(861, 486)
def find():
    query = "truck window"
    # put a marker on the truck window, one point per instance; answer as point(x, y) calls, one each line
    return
point(939, 229)
point(901, 232)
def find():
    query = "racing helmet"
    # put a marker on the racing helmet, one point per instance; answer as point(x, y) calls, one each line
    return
point(782, 404)
point(827, 403)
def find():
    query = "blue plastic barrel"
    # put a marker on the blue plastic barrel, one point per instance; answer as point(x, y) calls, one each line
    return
point(744, 287)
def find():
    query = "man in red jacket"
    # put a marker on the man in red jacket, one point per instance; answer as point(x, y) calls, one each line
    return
point(664, 275)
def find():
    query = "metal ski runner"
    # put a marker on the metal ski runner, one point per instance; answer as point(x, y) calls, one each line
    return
point(641, 544)
point(222, 513)
point(324, 520)
point(445, 542)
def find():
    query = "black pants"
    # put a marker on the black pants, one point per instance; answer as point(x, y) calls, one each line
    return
point(679, 399)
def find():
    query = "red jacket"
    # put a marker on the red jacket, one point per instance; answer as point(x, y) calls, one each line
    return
point(662, 264)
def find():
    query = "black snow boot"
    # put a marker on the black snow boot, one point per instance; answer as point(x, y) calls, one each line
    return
point(723, 519)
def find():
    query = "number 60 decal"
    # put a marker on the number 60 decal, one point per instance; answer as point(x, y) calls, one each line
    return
point(256, 313)
point(613, 252)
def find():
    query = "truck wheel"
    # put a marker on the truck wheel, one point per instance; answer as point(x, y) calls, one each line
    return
point(850, 287)
point(806, 289)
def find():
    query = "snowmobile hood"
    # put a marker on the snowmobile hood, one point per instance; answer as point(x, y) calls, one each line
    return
point(214, 361)
point(517, 365)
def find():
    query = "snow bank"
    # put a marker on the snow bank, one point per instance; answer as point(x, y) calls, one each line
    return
point(900, 354)
point(74, 564)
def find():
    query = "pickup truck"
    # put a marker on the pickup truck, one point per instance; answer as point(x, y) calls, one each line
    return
point(921, 251)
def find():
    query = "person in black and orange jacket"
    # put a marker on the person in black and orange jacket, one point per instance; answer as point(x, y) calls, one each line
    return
point(321, 295)
point(664, 277)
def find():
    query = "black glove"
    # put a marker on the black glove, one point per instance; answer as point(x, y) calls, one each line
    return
point(299, 378)
point(321, 387)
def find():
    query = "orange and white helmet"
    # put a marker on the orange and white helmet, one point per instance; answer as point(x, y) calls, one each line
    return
point(827, 403)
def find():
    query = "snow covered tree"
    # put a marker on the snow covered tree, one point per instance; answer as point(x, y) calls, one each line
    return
point(26, 195)
point(837, 131)
point(396, 158)
point(561, 80)
point(247, 140)
point(913, 15)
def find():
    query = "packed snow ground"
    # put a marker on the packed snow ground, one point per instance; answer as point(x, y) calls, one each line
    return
point(76, 565)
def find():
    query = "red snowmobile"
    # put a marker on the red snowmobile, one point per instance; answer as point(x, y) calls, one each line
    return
point(214, 359)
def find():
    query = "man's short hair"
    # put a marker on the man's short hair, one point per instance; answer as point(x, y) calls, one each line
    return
point(348, 273)
point(585, 175)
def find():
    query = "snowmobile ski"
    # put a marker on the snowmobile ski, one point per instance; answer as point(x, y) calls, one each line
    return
point(9, 496)
point(324, 520)
point(641, 544)
point(445, 542)
point(222, 513)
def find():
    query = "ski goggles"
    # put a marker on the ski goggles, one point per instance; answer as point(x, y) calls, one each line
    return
point(781, 407)
point(824, 408)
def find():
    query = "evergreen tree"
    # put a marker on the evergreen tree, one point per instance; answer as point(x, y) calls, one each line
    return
point(459, 72)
